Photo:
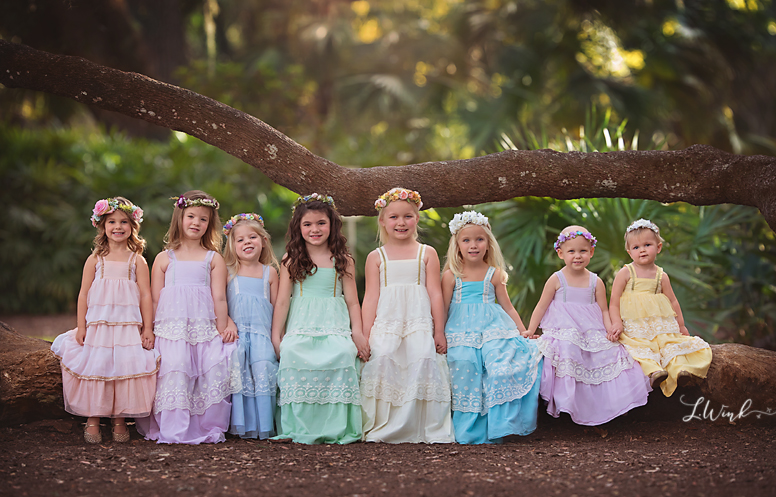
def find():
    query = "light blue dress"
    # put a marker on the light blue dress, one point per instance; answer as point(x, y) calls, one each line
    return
point(494, 370)
point(253, 407)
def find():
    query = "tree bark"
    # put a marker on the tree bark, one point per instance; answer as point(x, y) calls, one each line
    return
point(700, 175)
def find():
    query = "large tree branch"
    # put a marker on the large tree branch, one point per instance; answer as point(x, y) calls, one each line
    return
point(700, 175)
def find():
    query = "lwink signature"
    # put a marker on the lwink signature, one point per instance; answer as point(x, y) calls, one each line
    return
point(708, 413)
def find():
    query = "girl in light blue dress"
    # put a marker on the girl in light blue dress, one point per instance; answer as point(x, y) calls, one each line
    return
point(494, 367)
point(251, 293)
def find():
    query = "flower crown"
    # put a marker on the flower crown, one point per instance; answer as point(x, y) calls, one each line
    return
point(109, 206)
point(643, 224)
point(564, 237)
point(183, 202)
point(395, 194)
point(241, 217)
point(326, 199)
point(469, 217)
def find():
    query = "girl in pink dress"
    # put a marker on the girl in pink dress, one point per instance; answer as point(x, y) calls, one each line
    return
point(108, 362)
point(188, 287)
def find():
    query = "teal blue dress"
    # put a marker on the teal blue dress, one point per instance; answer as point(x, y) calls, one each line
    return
point(319, 400)
point(495, 372)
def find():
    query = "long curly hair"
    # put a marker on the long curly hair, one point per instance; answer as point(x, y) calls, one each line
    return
point(135, 242)
point(211, 240)
point(266, 257)
point(297, 260)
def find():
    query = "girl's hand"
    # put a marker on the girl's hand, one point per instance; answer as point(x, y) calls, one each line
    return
point(529, 334)
point(80, 336)
point(440, 342)
point(614, 332)
point(362, 344)
point(230, 332)
point(147, 338)
point(684, 331)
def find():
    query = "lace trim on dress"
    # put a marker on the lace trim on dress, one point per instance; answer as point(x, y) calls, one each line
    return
point(111, 323)
point(177, 391)
point(596, 376)
point(649, 328)
point(468, 399)
point(193, 331)
point(109, 378)
point(258, 384)
point(319, 332)
point(667, 353)
point(402, 328)
point(399, 395)
point(302, 392)
point(589, 341)
point(476, 341)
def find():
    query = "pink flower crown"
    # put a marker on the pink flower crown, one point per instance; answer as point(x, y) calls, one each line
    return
point(183, 202)
point(395, 194)
point(109, 205)
point(241, 217)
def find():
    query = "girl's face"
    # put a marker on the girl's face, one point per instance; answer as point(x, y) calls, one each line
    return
point(247, 243)
point(118, 228)
point(473, 243)
point(643, 247)
point(195, 221)
point(315, 227)
point(400, 220)
point(576, 253)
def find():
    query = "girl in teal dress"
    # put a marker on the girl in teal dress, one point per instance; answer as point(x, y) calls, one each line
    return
point(319, 397)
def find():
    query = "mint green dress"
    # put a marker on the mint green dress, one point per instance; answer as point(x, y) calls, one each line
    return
point(319, 401)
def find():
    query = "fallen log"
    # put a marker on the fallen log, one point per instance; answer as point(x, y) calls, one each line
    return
point(740, 386)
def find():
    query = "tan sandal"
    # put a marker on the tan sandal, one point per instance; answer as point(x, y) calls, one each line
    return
point(92, 438)
point(684, 378)
point(120, 437)
point(657, 377)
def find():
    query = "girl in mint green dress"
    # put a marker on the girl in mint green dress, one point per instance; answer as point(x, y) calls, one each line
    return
point(318, 307)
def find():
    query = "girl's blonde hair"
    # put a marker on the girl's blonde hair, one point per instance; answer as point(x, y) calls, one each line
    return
point(135, 242)
point(267, 255)
point(493, 257)
point(382, 233)
point(212, 238)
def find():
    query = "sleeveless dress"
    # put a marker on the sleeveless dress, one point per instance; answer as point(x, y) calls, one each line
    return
point(405, 385)
point(584, 374)
point(495, 371)
point(195, 381)
point(111, 375)
point(318, 376)
point(253, 407)
point(651, 333)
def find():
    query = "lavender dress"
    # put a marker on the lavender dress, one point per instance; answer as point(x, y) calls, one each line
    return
point(195, 379)
point(584, 374)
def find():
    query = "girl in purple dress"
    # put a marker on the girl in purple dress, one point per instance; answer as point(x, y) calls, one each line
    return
point(584, 374)
point(188, 288)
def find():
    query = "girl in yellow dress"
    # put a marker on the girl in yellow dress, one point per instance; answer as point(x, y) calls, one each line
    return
point(646, 316)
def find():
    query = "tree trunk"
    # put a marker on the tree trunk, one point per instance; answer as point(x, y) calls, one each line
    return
point(700, 175)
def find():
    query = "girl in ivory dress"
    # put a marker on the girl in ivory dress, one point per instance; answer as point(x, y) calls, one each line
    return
point(188, 286)
point(108, 362)
point(251, 293)
point(586, 373)
point(647, 318)
point(318, 376)
point(405, 386)
point(495, 370)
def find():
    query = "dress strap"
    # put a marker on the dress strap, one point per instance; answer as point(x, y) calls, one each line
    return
point(457, 291)
point(336, 276)
point(265, 277)
point(421, 254)
point(208, 260)
point(563, 284)
point(593, 281)
point(102, 266)
point(632, 275)
point(487, 285)
point(171, 266)
point(130, 264)
point(384, 258)
point(658, 279)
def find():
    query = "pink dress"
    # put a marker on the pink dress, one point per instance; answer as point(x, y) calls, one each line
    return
point(195, 379)
point(111, 375)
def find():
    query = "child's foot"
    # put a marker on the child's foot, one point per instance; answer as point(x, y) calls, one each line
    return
point(657, 377)
point(683, 378)
point(120, 432)
point(92, 434)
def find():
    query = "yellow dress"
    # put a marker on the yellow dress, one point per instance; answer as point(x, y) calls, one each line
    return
point(651, 333)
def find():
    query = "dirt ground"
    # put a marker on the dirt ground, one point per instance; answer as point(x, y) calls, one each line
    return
point(648, 452)
point(624, 457)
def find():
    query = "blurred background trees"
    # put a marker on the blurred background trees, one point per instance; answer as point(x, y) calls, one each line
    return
point(385, 82)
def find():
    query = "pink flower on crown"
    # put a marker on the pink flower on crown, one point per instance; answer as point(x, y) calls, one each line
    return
point(380, 203)
point(403, 195)
point(101, 207)
point(137, 215)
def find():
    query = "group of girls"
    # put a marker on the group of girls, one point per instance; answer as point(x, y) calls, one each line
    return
point(312, 365)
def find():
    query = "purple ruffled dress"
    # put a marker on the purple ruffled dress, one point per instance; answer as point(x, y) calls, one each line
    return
point(584, 374)
point(195, 379)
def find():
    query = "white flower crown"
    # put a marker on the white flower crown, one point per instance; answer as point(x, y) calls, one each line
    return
point(469, 217)
point(643, 224)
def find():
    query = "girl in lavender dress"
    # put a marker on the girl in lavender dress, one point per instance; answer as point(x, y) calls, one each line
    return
point(188, 287)
point(586, 373)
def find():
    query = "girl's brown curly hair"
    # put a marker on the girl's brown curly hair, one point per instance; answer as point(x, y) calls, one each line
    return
point(135, 242)
point(297, 260)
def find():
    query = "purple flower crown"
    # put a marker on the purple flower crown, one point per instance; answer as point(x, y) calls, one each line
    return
point(564, 237)
point(241, 217)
